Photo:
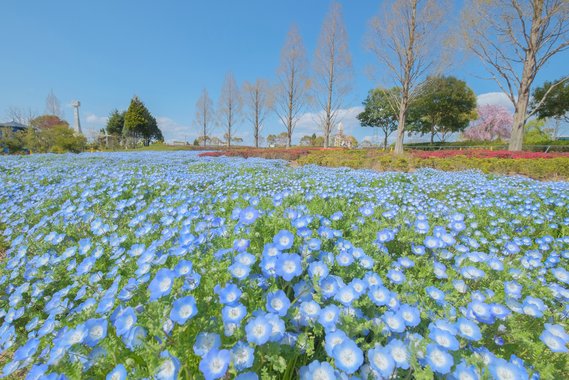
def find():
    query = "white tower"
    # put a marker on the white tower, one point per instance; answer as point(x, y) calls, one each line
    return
point(77, 123)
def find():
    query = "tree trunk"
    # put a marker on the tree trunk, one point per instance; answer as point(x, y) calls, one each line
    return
point(401, 125)
point(517, 135)
point(385, 142)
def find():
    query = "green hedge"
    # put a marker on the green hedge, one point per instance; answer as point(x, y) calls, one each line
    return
point(543, 169)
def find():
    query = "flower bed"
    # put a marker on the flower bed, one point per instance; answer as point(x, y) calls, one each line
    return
point(166, 265)
point(481, 153)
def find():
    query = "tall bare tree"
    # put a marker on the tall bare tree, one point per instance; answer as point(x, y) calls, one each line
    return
point(293, 82)
point(52, 105)
point(258, 100)
point(20, 115)
point(515, 39)
point(204, 115)
point(405, 39)
point(229, 109)
point(332, 69)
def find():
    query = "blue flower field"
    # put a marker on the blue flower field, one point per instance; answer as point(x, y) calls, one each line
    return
point(166, 265)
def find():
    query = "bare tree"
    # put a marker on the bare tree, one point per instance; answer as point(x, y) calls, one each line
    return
point(514, 40)
point(229, 107)
point(293, 82)
point(52, 105)
point(204, 115)
point(332, 69)
point(20, 115)
point(406, 40)
point(257, 100)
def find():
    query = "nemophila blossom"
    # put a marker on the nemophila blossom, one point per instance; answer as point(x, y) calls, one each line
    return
point(410, 315)
point(464, 371)
point(283, 240)
point(554, 342)
point(379, 295)
point(248, 215)
point(205, 342)
point(183, 309)
point(242, 356)
point(438, 359)
point(214, 365)
point(278, 303)
point(381, 360)
point(183, 268)
point(96, 331)
point(503, 370)
point(169, 367)
point(444, 339)
point(135, 338)
point(229, 295)
point(125, 320)
point(318, 269)
point(288, 266)
point(396, 276)
point(233, 314)
point(329, 316)
point(399, 353)
point(258, 330)
point(348, 356)
point(346, 295)
point(317, 370)
point(118, 373)
point(468, 329)
point(239, 271)
point(161, 284)
point(333, 339)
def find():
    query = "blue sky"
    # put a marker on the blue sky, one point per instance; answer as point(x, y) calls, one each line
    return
point(103, 52)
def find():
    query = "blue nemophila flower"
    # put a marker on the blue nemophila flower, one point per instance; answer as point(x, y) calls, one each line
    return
point(318, 269)
point(346, 295)
point(169, 367)
point(258, 330)
point(348, 356)
point(96, 331)
point(410, 315)
point(37, 372)
point(125, 320)
point(26, 351)
point(118, 373)
point(436, 294)
point(205, 342)
point(379, 295)
point(215, 363)
point(183, 309)
point(333, 339)
point(248, 215)
point(329, 317)
point(278, 303)
point(135, 338)
point(380, 360)
point(502, 370)
point(463, 371)
point(444, 339)
point(396, 276)
point(468, 329)
point(289, 266)
point(239, 271)
point(229, 295)
point(233, 314)
point(161, 284)
point(184, 267)
point(242, 356)
point(317, 370)
point(399, 353)
point(554, 342)
point(438, 359)
point(394, 322)
point(283, 240)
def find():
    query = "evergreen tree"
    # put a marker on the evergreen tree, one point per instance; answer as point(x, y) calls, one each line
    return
point(115, 123)
point(140, 125)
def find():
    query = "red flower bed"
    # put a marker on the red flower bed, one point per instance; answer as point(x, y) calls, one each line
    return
point(481, 153)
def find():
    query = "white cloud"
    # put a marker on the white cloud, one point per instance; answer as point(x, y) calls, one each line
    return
point(96, 120)
point(175, 131)
point(495, 98)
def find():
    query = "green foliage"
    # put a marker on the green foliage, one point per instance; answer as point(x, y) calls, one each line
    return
point(536, 133)
point(380, 112)
point(140, 125)
point(312, 140)
point(556, 104)
point(545, 169)
point(446, 105)
point(56, 139)
point(115, 123)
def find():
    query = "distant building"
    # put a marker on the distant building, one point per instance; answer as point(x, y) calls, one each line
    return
point(342, 140)
point(12, 126)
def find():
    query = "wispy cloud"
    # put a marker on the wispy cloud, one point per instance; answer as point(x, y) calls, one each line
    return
point(175, 131)
point(96, 120)
point(495, 98)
